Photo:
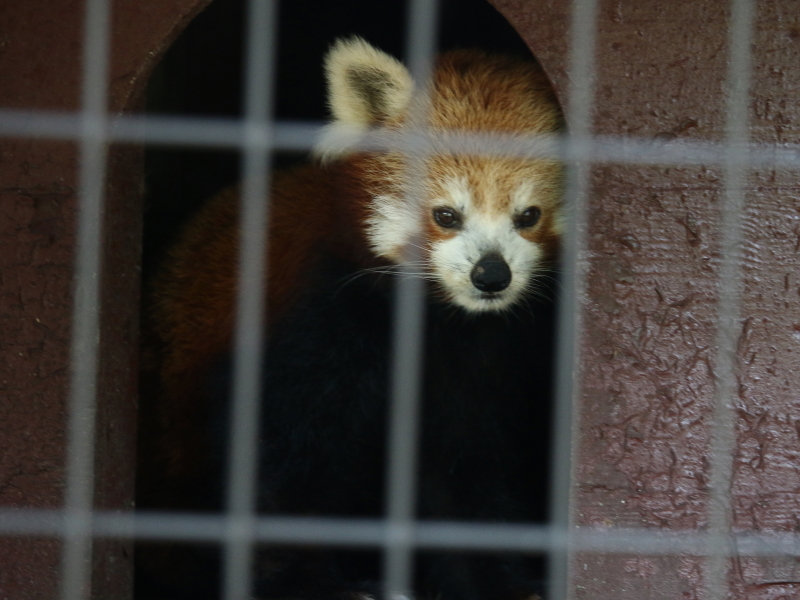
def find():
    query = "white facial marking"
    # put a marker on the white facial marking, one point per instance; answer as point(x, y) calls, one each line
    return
point(482, 232)
point(391, 224)
point(458, 195)
point(522, 196)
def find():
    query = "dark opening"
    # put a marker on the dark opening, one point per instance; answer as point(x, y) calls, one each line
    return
point(201, 75)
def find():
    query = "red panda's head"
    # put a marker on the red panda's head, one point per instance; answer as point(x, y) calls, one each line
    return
point(487, 224)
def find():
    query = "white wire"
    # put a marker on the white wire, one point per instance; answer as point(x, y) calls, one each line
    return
point(723, 426)
point(301, 136)
point(371, 533)
point(568, 372)
point(79, 496)
point(400, 534)
point(407, 344)
point(250, 308)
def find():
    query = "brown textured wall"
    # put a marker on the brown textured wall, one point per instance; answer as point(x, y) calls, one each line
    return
point(647, 349)
point(40, 49)
point(648, 345)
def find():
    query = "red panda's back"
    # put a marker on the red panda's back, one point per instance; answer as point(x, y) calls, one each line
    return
point(191, 313)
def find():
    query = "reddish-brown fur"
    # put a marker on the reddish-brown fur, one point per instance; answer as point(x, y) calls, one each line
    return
point(191, 315)
point(192, 308)
point(474, 91)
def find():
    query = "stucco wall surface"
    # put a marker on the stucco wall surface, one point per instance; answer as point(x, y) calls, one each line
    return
point(648, 344)
point(647, 350)
point(40, 54)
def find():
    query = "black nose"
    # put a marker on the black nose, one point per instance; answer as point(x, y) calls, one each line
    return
point(491, 274)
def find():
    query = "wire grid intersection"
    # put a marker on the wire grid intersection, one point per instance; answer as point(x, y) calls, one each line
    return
point(257, 136)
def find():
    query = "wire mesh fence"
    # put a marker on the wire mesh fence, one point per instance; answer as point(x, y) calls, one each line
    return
point(399, 535)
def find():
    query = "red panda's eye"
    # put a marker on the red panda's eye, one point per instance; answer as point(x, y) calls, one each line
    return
point(529, 217)
point(446, 217)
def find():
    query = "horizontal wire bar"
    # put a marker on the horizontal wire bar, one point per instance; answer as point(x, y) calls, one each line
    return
point(210, 132)
point(220, 133)
point(428, 535)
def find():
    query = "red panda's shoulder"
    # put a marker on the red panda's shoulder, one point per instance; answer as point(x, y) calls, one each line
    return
point(193, 296)
point(190, 312)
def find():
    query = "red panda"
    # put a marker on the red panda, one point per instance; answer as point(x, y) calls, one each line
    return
point(487, 229)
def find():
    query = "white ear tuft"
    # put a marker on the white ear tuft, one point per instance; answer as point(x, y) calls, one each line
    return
point(366, 87)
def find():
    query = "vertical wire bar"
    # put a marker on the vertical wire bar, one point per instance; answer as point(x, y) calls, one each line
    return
point(79, 496)
point(723, 433)
point(408, 338)
point(568, 372)
point(249, 333)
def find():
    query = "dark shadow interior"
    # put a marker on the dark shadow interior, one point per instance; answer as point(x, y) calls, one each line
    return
point(201, 75)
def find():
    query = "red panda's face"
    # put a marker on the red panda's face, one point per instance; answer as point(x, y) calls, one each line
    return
point(489, 228)
point(486, 227)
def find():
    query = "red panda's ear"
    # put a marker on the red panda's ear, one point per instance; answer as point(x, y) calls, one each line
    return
point(366, 87)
